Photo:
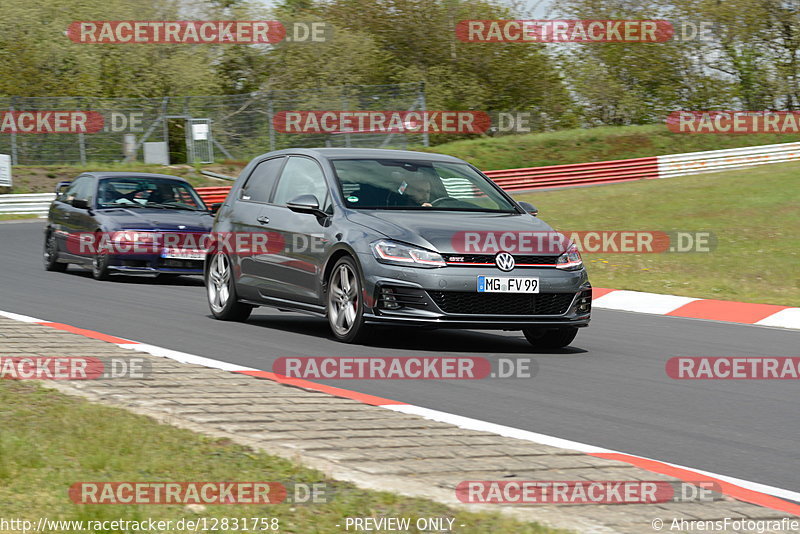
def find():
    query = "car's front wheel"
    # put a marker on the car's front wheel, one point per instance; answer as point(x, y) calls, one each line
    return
point(221, 290)
point(100, 266)
point(554, 338)
point(51, 262)
point(345, 307)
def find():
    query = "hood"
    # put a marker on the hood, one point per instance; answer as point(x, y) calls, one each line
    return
point(436, 230)
point(156, 219)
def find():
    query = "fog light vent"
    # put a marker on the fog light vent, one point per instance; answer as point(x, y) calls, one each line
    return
point(585, 301)
point(388, 299)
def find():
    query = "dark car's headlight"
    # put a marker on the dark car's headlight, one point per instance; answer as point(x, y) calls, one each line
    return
point(570, 260)
point(395, 253)
point(134, 236)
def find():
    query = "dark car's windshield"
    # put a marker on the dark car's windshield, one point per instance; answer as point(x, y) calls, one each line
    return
point(132, 192)
point(424, 185)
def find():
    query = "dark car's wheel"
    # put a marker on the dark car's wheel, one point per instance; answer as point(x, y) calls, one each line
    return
point(345, 307)
point(51, 262)
point(550, 338)
point(221, 291)
point(100, 266)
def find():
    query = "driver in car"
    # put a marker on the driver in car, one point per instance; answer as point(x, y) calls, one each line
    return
point(417, 189)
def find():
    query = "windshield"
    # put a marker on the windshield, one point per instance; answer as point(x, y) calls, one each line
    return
point(132, 192)
point(423, 185)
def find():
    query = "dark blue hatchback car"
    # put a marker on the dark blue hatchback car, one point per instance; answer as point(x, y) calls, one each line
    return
point(120, 222)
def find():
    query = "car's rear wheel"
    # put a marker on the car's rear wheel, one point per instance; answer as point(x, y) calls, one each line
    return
point(345, 306)
point(555, 338)
point(221, 291)
point(51, 262)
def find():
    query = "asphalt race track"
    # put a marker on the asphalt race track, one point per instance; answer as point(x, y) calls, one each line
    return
point(610, 389)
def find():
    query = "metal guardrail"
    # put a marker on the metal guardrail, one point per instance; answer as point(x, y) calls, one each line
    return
point(728, 159)
point(211, 195)
point(543, 177)
point(575, 174)
point(35, 203)
point(644, 168)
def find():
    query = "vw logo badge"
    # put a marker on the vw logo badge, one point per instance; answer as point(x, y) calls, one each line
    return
point(504, 261)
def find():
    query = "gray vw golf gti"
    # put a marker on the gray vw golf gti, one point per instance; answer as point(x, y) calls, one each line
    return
point(371, 236)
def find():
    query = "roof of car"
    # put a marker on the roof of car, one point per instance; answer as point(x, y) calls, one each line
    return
point(123, 174)
point(368, 153)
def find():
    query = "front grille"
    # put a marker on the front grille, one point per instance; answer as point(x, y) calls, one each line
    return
point(502, 303)
point(489, 258)
point(171, 263)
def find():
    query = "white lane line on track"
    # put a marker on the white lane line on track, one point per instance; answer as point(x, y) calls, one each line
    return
point(485, 426)
point(183, 357)
point(18, 317)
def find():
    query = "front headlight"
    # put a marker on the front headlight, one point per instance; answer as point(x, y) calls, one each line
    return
point(135, 236)
point(571, 259)
point(395, 253)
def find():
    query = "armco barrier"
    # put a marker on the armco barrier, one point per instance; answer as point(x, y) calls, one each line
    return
point(35, 203)
point(576, 174)
point(728, 159)
point(600, 172)
point(211, 195)
point(624, 170)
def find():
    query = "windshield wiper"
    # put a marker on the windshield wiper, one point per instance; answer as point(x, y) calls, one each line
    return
point(168, 206)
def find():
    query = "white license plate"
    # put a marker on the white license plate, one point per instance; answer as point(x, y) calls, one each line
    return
point(507, 284)
point(183, 253)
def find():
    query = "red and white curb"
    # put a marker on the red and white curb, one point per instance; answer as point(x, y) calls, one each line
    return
point(743, 490)
point(695, 308)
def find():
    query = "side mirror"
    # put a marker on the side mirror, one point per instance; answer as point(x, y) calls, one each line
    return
point(215, 207)
point(80, 203)
point(528, 207)
point(306, 204)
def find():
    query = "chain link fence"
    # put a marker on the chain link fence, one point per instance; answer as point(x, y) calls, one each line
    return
point(195, 128)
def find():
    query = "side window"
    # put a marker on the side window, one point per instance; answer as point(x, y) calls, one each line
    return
point(301, 176)
point(81, 188)
point(259, 184)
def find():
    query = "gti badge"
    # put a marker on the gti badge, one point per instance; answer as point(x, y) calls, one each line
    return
point(504, 261)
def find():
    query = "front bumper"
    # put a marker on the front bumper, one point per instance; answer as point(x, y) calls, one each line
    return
point(447, 297)
point(153, 264)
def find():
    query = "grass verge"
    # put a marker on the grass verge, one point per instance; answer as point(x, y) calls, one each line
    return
point(754, 214)
point(17, 216)
point(50, 441)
